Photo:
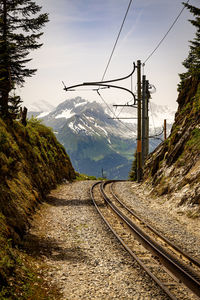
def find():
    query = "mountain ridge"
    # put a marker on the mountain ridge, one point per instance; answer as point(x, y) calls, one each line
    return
point(89, 134)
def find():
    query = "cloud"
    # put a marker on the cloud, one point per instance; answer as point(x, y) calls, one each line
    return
point(79, 38)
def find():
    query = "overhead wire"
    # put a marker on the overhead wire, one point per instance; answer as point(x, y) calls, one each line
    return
point(129, 100)
point(170, 28)
point(109, 60)
point(151, 54)
point(112, 52)
point(115, 44)
point(113, 112)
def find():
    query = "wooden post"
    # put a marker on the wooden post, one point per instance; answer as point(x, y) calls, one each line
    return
point(23, 114)
point(165, 129)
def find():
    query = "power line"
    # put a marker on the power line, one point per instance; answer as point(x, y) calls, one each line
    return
point(116, 40)
point(170, 28)
point(113, 112)
point(127, 103)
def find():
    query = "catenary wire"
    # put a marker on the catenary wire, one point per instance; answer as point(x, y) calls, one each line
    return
point(176, 19)
point(112, 52)
point(170, 28)
point(116, 40)
point(113, 112)
point(129, 100)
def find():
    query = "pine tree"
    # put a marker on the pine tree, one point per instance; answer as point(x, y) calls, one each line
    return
point(192, 62)
point(20, 29)
point(14, 106)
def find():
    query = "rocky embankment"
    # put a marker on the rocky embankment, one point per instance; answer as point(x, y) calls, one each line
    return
point(173, 169)
point(31, 163)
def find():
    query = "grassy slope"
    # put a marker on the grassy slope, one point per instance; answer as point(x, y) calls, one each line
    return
point(31, 163)
point(174, 167)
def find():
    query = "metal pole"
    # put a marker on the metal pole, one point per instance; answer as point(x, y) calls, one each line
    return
point(143, 118)
point(139, 125)
point(147, 120)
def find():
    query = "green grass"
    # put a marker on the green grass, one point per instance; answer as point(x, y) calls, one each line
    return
point(194, 142)
point(32, 162)
point(80, 177)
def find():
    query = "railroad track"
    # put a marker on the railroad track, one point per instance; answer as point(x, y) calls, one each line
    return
point(176, 272)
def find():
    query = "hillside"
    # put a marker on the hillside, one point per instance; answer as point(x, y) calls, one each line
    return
point(31, 163)
point(173, 169)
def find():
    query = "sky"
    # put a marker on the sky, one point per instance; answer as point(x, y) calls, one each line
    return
point(79, 38)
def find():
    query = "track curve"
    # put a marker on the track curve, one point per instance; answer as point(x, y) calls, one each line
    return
point(111, 205)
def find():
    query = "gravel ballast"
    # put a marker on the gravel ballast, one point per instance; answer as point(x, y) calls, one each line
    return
point(82, 257)
point(159, 212)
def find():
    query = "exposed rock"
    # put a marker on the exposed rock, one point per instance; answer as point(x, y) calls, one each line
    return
point(174, 167)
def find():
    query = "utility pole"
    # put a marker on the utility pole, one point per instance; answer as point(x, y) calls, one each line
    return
point(144, 99)
point(139, 127)
point(147, 119)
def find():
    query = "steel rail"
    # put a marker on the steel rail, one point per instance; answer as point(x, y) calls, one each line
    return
point(178, 249)
point(180, 270)
point(160, 284)
point(175, 266)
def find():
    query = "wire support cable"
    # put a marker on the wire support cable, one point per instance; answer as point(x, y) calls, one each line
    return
point(156, 135)
point(123, 107)
point(129, 100)
point(113, 112)
point(170, 28)
point(116, 40)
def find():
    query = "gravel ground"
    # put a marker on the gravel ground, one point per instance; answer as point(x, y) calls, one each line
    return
point(171, 220)
point(83, 258)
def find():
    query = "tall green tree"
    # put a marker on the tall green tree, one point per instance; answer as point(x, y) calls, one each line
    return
point(192, 62)
point(20, 30)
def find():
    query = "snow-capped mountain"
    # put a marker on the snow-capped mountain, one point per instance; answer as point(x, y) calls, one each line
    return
point(93, 139)
point(157, 115)
point(87, 118)
point(88, 112)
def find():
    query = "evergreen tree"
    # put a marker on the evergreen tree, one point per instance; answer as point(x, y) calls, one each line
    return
point(192, 62)
point(20, 25)
point(14, 106)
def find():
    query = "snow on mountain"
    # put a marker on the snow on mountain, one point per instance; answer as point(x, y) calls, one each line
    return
point(42, 114)
point(92, 118)
point(157, 114)
point(65, 114)
point(94, 140)
point(87, 118)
